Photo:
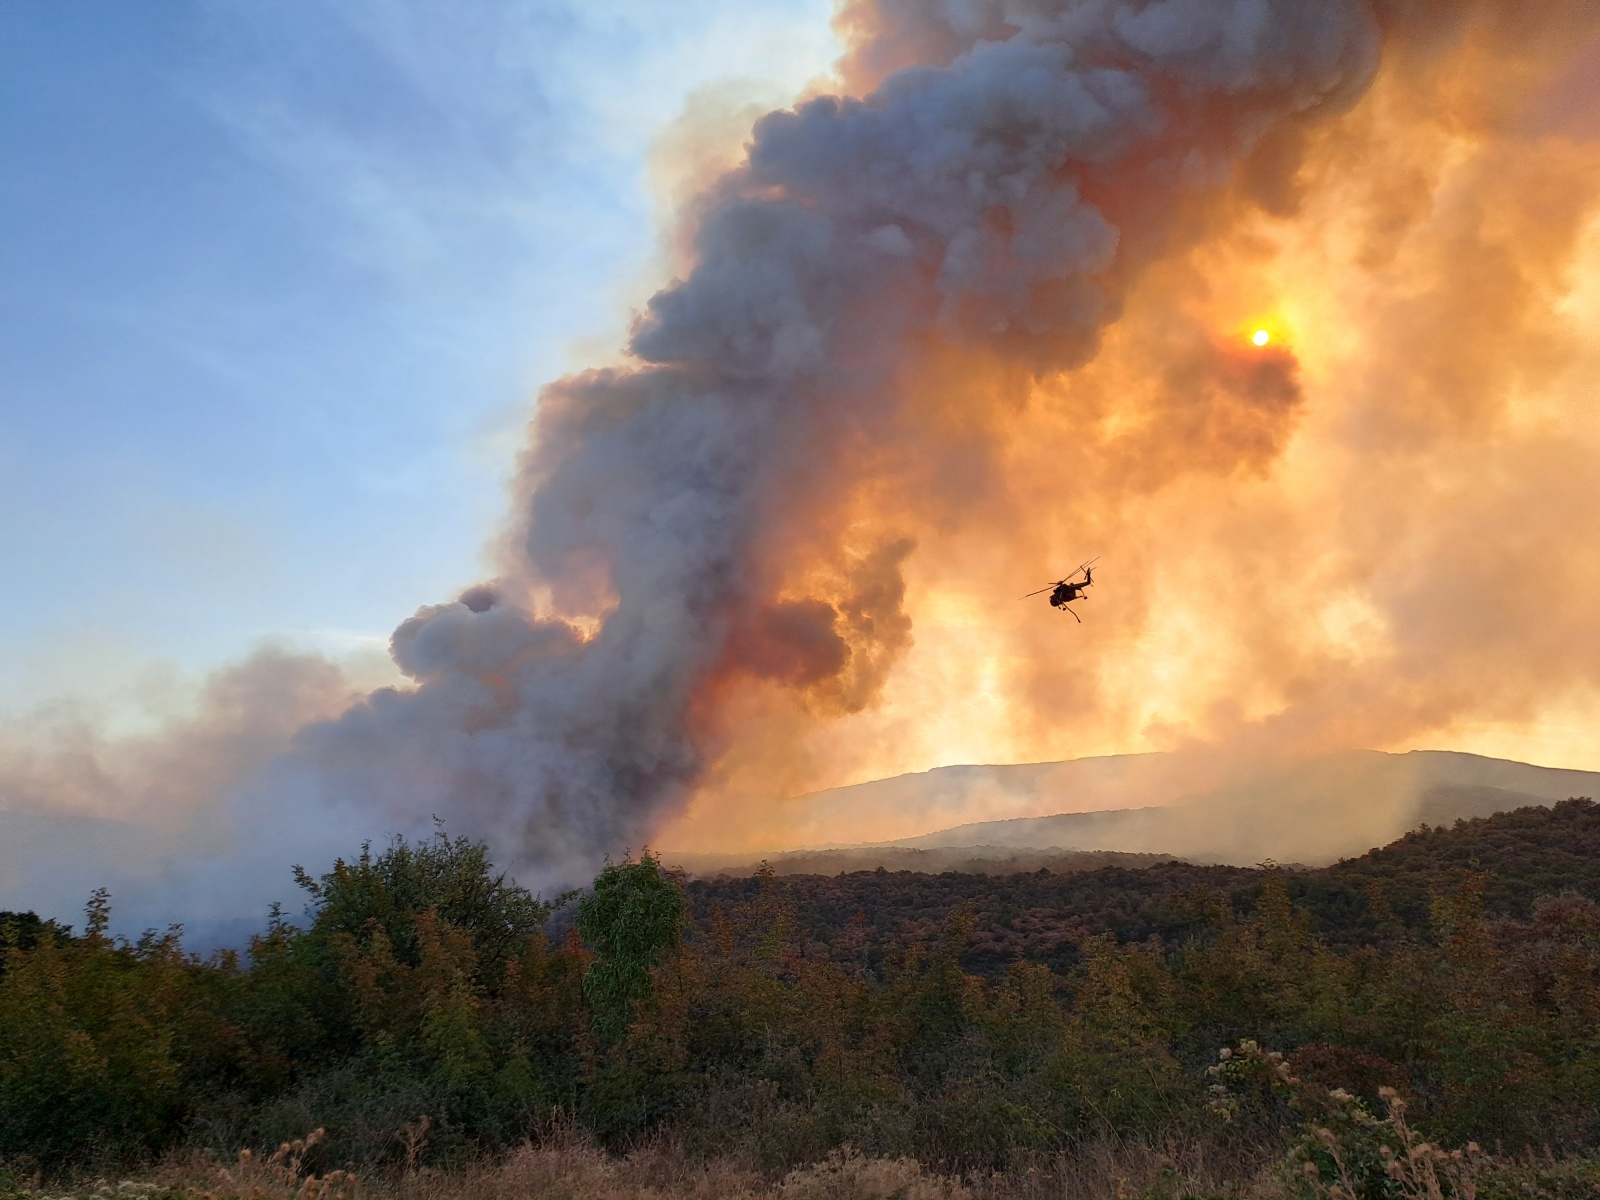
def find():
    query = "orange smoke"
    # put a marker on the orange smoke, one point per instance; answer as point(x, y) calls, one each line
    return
point(1377, 530)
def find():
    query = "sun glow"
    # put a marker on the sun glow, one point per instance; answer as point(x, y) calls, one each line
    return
point(1261, 337)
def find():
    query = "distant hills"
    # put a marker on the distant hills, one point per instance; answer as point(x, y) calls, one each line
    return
point(1310, 811)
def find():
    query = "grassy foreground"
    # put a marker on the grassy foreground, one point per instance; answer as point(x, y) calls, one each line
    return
point(565, 1166)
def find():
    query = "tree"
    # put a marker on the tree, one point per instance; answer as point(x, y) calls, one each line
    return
point(450, 877)
point(88, 1037)
point(631, 920)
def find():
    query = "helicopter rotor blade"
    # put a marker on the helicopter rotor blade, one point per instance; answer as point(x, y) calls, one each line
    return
point(1059, 582)
point(1085, 566)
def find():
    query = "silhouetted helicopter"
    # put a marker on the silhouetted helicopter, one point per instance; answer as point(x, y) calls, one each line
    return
point(1064, 591)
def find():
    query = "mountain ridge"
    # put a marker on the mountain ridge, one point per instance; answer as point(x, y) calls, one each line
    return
point(1314, 810)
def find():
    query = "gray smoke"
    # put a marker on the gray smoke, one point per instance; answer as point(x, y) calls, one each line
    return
point(999, 195)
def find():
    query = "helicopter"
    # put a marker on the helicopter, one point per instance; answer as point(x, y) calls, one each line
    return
point(1064, 591)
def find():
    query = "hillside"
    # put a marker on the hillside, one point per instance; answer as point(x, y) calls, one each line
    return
point(1312, 810)
point(1040, 916)
point(932, 860)
point(1522, 855)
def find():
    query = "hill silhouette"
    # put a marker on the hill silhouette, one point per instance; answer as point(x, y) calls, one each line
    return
point(1194, 806)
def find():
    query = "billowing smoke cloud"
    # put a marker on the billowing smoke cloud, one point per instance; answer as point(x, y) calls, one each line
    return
point(62, 762)
point(1374, 532)
point(688, 520)
point(1410, 564)
point(987, 314)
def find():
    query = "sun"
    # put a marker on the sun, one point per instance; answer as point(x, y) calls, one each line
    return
point(1261, 337)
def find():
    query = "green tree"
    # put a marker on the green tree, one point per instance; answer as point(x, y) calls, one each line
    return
point(1116, 1071)
point(25, 930)
point(452, 877)
point(87, 1041)
point(632, 919)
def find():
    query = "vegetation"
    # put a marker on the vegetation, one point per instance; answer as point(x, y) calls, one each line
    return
point(1422, 1021)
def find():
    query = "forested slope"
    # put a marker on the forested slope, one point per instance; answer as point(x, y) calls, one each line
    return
point(1041, 916)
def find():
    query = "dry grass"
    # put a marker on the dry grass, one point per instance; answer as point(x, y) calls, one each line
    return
point(578, 1172)
point(565, 1166)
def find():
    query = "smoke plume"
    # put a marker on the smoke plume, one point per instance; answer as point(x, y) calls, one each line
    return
point(1374, 531)
point(691, 519)
point(987, 312)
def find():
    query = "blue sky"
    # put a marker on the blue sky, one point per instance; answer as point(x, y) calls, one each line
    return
point(278, 283)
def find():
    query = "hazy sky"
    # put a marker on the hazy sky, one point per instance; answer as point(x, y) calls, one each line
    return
point(279, 284)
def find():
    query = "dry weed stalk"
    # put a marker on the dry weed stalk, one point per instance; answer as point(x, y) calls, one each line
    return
point(279, 1177)
point(412, 1136)
point(1421, 1170)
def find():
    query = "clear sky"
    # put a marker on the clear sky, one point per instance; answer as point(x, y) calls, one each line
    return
point(279, 284)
